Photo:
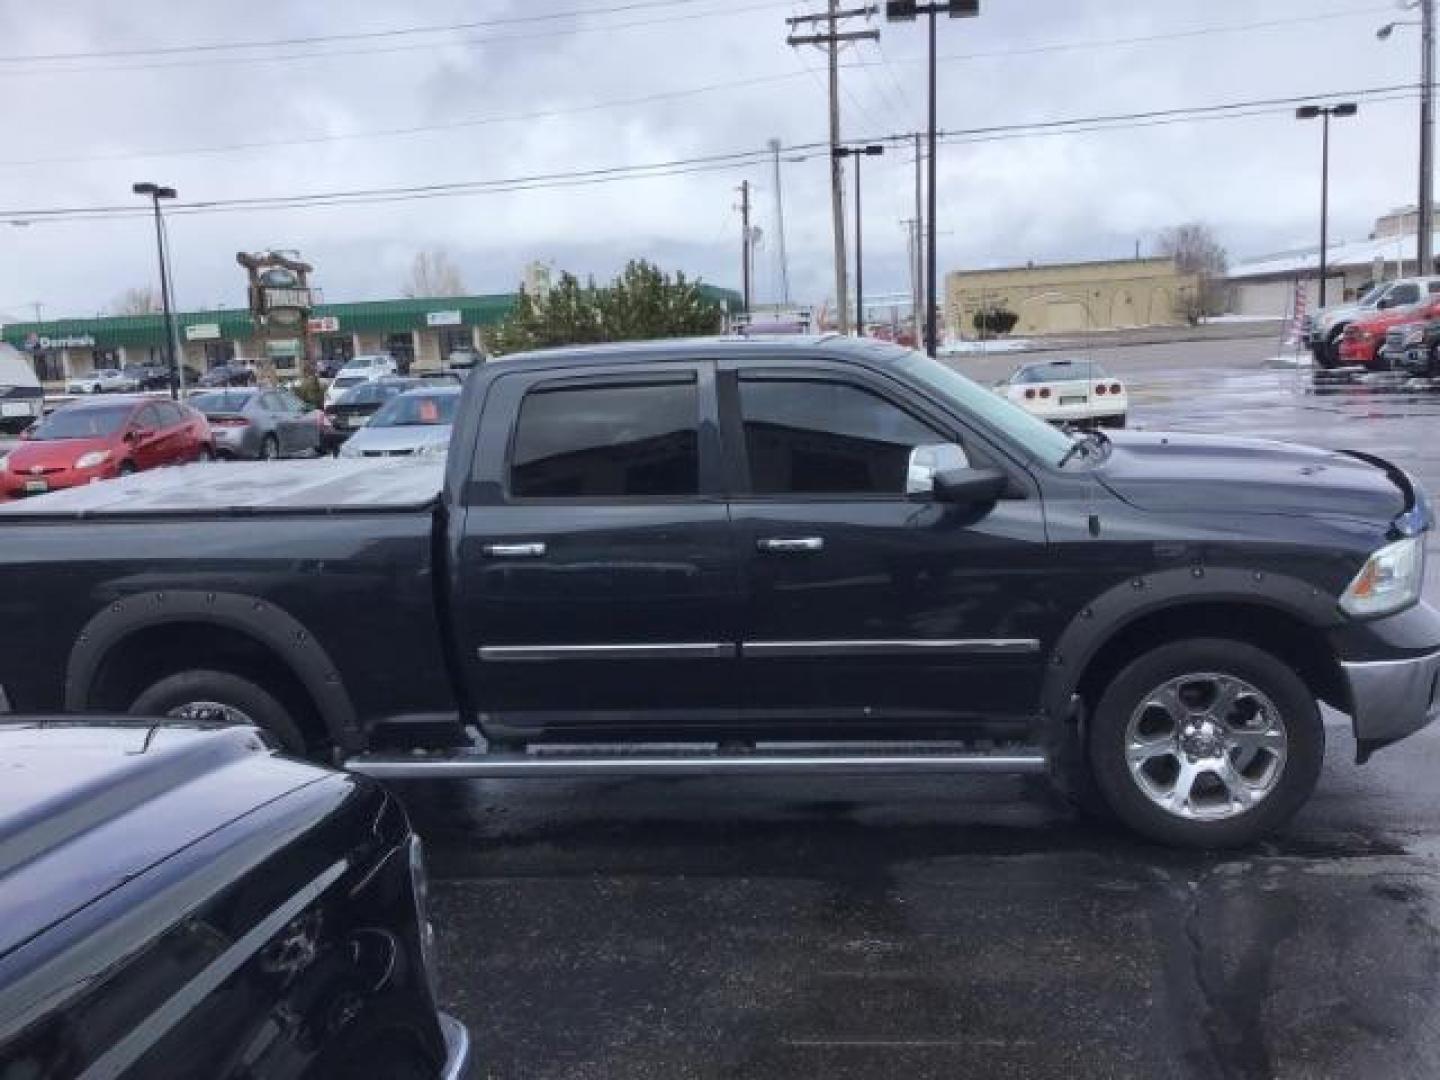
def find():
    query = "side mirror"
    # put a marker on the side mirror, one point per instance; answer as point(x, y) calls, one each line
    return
point(970, 487)
point(927, 462)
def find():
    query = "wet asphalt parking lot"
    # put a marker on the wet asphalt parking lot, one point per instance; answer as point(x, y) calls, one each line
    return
point(966, 927)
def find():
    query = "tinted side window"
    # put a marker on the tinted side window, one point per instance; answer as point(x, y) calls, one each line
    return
point(169, 414)
point(597, 442)
point(149, 419)
point(808, 437)
point(1404, 294)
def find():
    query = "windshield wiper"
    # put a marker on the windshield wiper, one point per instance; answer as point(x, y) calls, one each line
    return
point(1090, 443)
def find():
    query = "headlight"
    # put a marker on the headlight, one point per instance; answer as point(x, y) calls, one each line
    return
point(420, 886)
point(1389, 580)
point(432, 449)
point(93, 458)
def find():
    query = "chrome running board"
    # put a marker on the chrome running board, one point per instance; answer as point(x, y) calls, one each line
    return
point(773, 759)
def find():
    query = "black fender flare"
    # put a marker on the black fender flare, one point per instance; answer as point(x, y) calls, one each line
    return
point(1145, 594)
point(269, 625)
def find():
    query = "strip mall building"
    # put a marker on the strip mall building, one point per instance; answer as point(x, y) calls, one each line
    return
point(423, 332)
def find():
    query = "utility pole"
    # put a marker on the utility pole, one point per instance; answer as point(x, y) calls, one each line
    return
point(832, 39)
point(745, 241)
point(1425, 254)
point(858, 152)
point(39, 309)
point(912, 250)
point(918, 276)
point(780, 226)
point(1310, 112)
point(908, 11)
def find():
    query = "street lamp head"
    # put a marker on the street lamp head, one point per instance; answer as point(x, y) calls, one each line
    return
point(144, 189)
point(1307, 112)
point(1349, 108)
point(1385, 31)
point(165, 193)
point(874, 150)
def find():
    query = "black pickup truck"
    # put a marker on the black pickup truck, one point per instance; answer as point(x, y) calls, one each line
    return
point(750, 555)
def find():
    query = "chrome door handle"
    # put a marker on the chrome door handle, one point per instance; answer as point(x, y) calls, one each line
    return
point(790, 545)
point(515, 551)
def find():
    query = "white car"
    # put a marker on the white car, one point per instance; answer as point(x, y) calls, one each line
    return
point(1068, 392)
point(416, 423)
point(104, 381)
point(361, 369)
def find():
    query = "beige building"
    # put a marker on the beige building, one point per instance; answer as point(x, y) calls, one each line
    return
point(1069, 298)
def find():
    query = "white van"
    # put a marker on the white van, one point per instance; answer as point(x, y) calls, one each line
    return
point(22, 398)
point(361, 369)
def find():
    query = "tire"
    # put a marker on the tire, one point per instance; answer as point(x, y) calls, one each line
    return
point(127, 468)
point(269, 448)
point(1271, 773)
point(1331, 352)
point(244, 699)
point(207, 452)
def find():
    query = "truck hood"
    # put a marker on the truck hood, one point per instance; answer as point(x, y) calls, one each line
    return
point(1328, 317)
point(86, 807)
point(1175, 473)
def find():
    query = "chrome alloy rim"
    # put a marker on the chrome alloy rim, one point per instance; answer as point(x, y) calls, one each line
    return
point(210, 712)
point(1206, 746)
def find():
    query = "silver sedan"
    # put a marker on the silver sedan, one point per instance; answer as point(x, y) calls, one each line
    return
point(260, 424)
point(416, 422)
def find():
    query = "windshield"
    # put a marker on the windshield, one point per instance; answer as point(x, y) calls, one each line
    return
point(1046, 443)
point(1060, 371)
point(220, 403)
point(417, 410)
point(82, 423)
point(1371, 298)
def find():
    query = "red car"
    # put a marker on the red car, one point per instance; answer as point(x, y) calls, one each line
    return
point(1363, 338)
point(97, 440)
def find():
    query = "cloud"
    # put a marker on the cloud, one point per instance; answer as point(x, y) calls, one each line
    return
point(1085, 195)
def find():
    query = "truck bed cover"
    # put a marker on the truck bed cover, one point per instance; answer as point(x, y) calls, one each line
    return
point(327, 485)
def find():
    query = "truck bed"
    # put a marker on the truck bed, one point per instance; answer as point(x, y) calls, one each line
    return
point(328, 485)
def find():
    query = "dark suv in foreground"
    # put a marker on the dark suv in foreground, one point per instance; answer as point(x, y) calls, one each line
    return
point(177, 900)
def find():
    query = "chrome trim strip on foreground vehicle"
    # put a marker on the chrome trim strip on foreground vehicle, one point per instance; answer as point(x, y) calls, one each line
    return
point(1392, 698)
point(683, 651)
point(988, 646)
point(717, 651)
point(149, 1030)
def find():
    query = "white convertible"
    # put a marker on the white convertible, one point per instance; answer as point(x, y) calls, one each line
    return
point(1068, 392)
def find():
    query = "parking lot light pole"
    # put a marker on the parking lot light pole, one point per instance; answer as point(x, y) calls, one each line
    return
point(1425, 222)
point(1325, 112)
point(908, 11)
point(156, 192)
point(857, 153)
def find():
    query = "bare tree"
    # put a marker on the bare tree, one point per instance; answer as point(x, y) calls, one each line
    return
point(1197, 251)
point(433, 273)
point(142, 300)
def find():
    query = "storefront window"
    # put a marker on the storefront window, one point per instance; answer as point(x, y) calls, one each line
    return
point(218, 353)
point(338, 349)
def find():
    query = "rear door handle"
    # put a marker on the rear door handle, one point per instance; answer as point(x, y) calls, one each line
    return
point(791, 545)
point(533, 550)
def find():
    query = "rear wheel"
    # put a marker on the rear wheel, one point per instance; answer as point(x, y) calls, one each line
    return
point(202, 695)
point(1206, 743)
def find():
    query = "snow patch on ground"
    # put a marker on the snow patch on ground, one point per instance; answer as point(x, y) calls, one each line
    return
point(976, 348)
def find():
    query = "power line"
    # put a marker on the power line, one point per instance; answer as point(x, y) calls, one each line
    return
point(713, 162)
point(367, 35)
point(1084, 45)
point(462, 42)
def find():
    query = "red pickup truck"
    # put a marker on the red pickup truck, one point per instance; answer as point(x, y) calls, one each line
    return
point(1363, 338)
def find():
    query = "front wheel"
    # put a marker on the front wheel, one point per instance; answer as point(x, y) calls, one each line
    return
point(269, 448)
point(1206, 743)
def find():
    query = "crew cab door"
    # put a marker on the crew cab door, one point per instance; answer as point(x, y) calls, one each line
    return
point(596, 578)
point(867, 609)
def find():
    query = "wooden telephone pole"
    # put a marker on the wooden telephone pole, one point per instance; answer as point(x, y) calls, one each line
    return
point(745, 241)
point(832, 38)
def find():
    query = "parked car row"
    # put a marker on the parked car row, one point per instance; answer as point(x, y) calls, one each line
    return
point(1354, 334)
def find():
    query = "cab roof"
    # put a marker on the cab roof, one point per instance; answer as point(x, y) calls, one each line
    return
point(780, 346)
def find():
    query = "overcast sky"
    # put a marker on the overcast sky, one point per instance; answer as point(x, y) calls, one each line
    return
point(719, 78)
